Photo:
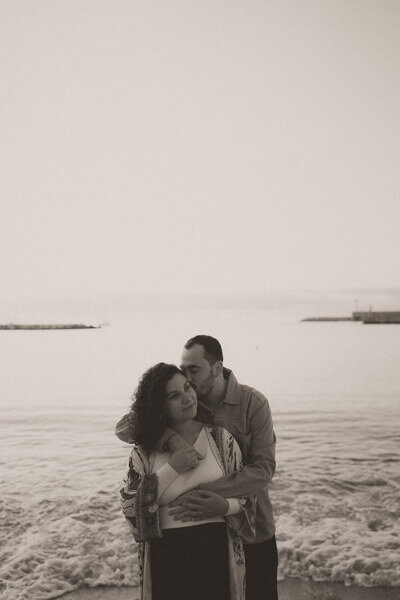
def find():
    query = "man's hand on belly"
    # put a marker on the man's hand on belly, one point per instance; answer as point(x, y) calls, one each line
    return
point(198, 505)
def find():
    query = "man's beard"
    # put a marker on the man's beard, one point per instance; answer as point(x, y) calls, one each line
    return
point(206, 386)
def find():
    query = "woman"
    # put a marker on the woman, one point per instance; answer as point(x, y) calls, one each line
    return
point(192, 559)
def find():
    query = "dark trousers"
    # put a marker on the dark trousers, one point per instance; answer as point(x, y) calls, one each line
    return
point(261, 570)
point(191, 563)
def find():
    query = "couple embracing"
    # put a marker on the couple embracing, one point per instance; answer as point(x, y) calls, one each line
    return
point(196, 492)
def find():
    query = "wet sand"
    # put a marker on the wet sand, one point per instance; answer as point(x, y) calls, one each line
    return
point(289, 589)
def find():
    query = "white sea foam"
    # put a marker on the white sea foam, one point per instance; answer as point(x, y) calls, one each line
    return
point(341, 538)
point(63, 528)
point(88, 547)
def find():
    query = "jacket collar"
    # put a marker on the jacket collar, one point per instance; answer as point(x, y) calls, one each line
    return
point(232, 395)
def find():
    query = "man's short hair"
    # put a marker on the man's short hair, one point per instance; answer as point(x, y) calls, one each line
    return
point(212, 347)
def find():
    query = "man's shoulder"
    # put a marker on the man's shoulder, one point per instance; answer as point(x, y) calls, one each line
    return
point(251, 395)
point(250, 399)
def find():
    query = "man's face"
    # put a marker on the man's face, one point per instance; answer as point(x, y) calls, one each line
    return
point(198, 370)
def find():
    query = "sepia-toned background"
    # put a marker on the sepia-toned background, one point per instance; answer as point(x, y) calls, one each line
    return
point(180, 167)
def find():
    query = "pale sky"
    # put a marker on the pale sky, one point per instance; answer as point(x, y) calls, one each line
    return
point(220, 146)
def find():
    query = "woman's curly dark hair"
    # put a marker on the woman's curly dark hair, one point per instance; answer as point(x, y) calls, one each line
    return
point(147, 414)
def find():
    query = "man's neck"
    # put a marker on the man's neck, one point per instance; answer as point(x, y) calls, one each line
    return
point(217, 395)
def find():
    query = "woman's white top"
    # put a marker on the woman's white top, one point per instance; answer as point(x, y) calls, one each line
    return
point(173, 484)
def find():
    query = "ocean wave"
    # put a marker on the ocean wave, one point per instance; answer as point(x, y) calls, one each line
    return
point(64, 543)
point(70, 544)
point(339, 529)
point(335, 500)
point(334, 550)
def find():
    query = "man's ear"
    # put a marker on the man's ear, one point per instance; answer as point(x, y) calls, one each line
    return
point(218, 367)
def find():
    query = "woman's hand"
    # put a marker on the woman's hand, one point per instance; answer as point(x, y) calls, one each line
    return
point(184, 459)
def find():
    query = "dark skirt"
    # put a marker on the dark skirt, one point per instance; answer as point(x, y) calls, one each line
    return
point(191, 563)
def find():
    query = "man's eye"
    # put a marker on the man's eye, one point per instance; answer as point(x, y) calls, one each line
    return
point(193, 370)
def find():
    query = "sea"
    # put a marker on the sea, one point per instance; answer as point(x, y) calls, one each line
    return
point(334, 392)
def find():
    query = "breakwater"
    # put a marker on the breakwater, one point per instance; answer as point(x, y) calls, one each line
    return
point(328, 319)
point(382, 317)
point(367, 317)
point(13, 326)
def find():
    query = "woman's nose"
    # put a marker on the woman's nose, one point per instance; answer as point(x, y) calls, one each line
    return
point(188, 397)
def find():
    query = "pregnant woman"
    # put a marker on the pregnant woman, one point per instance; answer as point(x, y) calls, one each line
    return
point(194, 560)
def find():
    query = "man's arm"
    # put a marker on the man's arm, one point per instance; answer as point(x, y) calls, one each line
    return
point(169, 439)
point(198, 504)
point(260, 463)
point(124, 431)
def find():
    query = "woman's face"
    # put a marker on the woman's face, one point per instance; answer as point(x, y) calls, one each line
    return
point(181, 403)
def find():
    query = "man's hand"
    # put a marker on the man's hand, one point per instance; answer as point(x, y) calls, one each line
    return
point(176, 442)
point(184, 459)
point(198, 505)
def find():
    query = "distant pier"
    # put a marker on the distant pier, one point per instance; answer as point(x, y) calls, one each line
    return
point(381, 317)
point(370, 317)
point(328, 319)
point(13, 326)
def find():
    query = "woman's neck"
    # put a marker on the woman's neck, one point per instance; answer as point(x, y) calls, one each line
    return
point(188, 430)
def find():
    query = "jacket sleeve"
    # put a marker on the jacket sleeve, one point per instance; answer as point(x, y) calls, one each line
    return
point(259, 463)
point(123, 431)
point(243, 522)
point(139, 499)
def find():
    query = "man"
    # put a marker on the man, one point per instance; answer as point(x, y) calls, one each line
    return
point(246, 414)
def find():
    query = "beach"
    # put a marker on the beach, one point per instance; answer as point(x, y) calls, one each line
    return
point(289, 589)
